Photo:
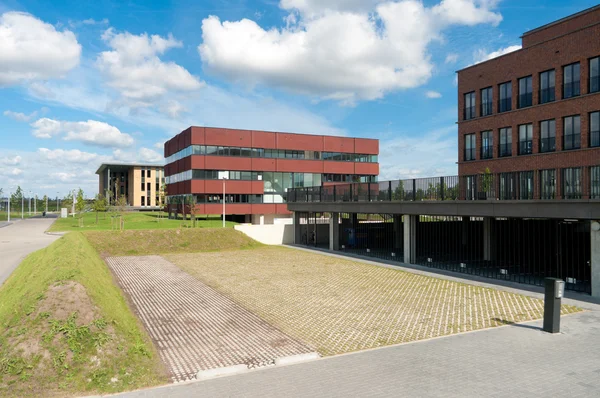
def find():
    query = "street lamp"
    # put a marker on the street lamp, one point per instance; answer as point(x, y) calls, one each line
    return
point(35, 204)
point(22, 203)
point(224, 178)
point(57, 202)
point(8, 203)
point(30, 203)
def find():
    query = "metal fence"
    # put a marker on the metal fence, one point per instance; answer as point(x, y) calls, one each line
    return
point(559, 184)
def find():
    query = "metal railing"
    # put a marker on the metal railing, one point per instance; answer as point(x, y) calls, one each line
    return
point(521, 185)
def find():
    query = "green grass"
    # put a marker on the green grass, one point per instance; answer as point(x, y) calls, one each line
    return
point(66, 329)
point(187, 240)
point(16, 215)
point(134, 221)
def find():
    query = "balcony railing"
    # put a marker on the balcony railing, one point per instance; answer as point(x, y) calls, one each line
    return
point(571, 89)
point(522, 185)
point(594, 138)
point(594, 84)
point(547, 95)
point(548, 144)
point(505, 104)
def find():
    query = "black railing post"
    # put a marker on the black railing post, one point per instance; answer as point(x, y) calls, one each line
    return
point(334, 198)
point(442, 188)
point(307, 195)
point(320, 194)
point(369, 193)
point(414, 186)
point(390, 190)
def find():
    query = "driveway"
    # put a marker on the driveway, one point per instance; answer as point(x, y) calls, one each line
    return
point(19, 239)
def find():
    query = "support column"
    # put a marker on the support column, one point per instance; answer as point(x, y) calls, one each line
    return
point(489, 239)
point(595, 259)
point(334, 231)
point(410, 238)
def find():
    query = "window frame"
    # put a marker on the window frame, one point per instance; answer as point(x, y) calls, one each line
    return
point(487, 151)
point(565, 135)
point(575, 87)
point(594, 81)
point(508, 99)
point(487, 106)
point(506, 143)
point(469, 111)
point(471, 151)
point(550, 89)
point(529, 139)
point(550, 139)
point(594, 135)
point(528, 95)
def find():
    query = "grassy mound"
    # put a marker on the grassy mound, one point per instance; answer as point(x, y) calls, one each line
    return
point(133, 221)
point(65, 327)
point(147, 242)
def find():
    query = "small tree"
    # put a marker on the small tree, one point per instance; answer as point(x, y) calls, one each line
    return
point(162, 194)
point(99, 205)
point(121, 206)
point(193, 210)
point(80, 206)
point(45, 203)
point(16, 198)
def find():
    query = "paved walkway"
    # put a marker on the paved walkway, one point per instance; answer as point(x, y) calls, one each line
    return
point(19, 239)
point(513, 361)
point(194, 327)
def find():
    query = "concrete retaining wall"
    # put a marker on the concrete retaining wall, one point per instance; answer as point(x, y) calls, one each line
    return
point(274, 234)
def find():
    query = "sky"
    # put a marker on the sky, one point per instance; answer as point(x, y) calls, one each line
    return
point(84, 82)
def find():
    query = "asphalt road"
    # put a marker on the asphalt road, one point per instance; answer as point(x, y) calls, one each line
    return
point(19, 239)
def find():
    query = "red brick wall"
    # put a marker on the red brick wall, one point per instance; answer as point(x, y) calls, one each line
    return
point(569, 25)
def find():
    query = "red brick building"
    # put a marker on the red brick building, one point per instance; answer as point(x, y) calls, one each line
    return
point(258, 167)
point(532, 117)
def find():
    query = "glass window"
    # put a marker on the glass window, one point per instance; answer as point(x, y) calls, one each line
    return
point(505, 97)
point(571, 183)
point(525, 92)
point(594, 75)
point(317, 180)
point(149, 174)
point(547, 88)
point(526, 185)
point(595, 182)
point(505, 142)
point(143, 201)
point(594, 129)
point(469, 105)
point(525, 139)
point(507, 186)
point(486, 101)
point(547, 184)
point(143, 187)
point(143, 173)
point(487, 145)
point(211, 150)
point(235, 151)
point(571, 80)
point(572, 133)
point(470, 147)
point(548, 135)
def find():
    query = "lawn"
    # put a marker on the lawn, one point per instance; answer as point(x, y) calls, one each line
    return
point(66, 329)
point(134, 221)
point(339, 305)
point(186, 240)
point(16, 215)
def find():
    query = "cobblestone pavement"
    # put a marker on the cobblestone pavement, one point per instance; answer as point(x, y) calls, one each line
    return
point(339, 305)
point(511, 361)
point(194, 327)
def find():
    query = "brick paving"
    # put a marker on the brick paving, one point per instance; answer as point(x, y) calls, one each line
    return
point(339, 305)
point(511, 361)
point(194, 327)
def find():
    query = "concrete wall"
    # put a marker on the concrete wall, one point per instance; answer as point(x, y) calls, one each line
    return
point(274, 234)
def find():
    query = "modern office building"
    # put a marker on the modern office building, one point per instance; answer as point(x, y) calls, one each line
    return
point(141, 184)
point(256, 169)
point(532, 116)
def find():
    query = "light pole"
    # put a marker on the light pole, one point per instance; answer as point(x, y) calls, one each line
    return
point(57, 202)
point(22, 205)
point(224, 202)
point(8, 204)
point(73, 211)
point(30, 203)
point(35, 204)
point(46, 203)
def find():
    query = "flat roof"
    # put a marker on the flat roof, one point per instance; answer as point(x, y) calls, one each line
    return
point(272, 132)
point(561, 20)
point(122, 165)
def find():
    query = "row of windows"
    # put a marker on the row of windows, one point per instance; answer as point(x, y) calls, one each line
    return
point(229, 198)
point(547, 142)
point(547, 92)
point(269, 153)
point(520, 185)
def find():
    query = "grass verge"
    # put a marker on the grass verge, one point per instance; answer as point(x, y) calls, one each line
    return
point(134, 221)
point(66, 329)
point(148, 242)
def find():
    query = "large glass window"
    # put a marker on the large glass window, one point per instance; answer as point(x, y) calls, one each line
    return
point(571, 80)
point(547, 88)
point(469, 105)
point(487, 145)
point(571, 183)
point(505, 97)
point(525, 139)
point(548, 135)
point(525, 92)
point(507, 186)
point(470, 147)
point(526, 185)
point(594, 75)
point(486, 101)
point(505, 142)
point(595, 182)
point(547, 184)
point(594, 129)
point(572, 133)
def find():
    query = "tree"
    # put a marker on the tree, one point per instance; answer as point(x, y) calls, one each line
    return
point(16, 199)
point(99, 205)
point(161, 197)
point(80, 206)
point(45, 203)
point(121, 206)
point(193, 210)
point(398, 193)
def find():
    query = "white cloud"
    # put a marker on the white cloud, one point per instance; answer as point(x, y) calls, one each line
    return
point(134, 69)
point(173, 109)
point(150, 156)
point(451, 58)
point(63, 177)
point(91, 132)
point(160, 145)
point(31, 49)
point(482, 55)
point(21, 117)
point(416, 151)
point(11, 160)
point(92, 21)
point(433, 94)
point(72, 156)
point(342, 50)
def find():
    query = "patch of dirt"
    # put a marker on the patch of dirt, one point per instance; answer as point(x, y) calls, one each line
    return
point(64, 299)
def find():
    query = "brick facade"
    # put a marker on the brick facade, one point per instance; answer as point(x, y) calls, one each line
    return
point(574, 39)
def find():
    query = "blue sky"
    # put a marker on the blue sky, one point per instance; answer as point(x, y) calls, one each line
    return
point(87, 82)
